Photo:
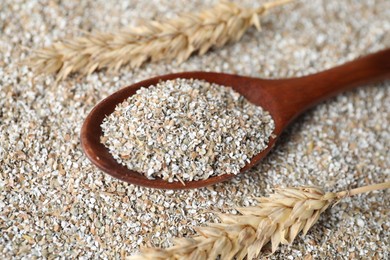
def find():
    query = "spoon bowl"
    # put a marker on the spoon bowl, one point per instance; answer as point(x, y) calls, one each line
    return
point(284, 99)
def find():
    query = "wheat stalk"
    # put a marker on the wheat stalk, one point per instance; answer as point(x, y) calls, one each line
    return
point(172, 39)
point(277, 219)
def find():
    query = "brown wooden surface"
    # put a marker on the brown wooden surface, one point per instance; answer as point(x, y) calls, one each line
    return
point(285, 99)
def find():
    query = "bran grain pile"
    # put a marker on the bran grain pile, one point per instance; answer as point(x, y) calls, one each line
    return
point(185, 130)
point(55, 203)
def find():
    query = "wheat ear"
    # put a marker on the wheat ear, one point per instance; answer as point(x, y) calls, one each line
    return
point(278, 219)
point(172, 39)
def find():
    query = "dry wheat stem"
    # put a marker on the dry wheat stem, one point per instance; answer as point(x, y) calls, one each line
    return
point(353, 192)
point(172, 39)
point(277, 219)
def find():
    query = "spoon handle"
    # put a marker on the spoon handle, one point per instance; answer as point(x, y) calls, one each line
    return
point(298, 94)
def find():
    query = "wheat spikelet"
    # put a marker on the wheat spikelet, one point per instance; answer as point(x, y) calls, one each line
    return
point(172, 39)
point(277, 219)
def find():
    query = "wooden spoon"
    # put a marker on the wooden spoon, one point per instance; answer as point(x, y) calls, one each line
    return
point(285, 99)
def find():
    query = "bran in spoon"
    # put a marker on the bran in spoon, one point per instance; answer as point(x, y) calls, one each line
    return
point(185, 130)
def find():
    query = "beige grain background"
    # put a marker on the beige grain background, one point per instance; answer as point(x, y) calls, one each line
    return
point(54, 203)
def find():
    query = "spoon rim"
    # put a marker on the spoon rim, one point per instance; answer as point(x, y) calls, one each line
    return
point(100, 156)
